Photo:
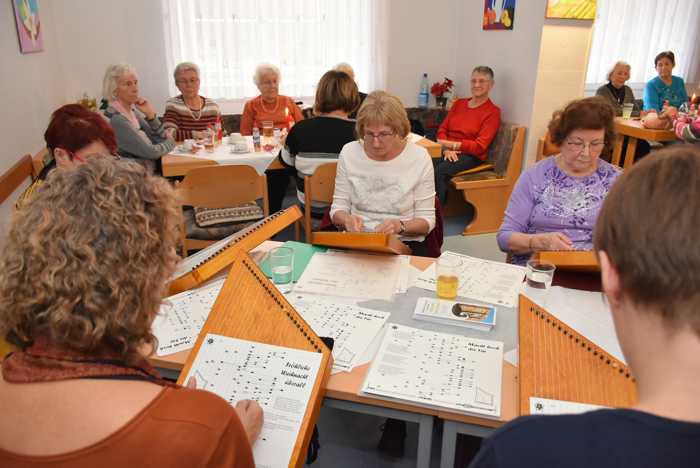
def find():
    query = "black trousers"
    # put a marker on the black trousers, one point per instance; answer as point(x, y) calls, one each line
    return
point(277, 182)
point(444, 170)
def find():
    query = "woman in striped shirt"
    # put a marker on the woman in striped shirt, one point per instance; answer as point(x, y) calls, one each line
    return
point(189, 113)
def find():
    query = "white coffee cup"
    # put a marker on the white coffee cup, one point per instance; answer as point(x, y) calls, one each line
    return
point(236, 137)
point(189, 144)
point(240, 146)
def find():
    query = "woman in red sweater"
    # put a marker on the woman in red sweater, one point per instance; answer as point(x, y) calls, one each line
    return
point(467, 131)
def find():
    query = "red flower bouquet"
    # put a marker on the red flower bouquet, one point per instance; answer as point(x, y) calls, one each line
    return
point(440, 88)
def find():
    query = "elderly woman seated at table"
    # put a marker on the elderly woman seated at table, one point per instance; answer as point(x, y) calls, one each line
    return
point(140, 134)
point(649, 270)
point(618, 94)
point(190, 114)
point(318, 140)
point(84, 270)
point(664, 89)
point(270, 105)
point(282, 112)
point(467, 131)
point(555, 203)
point(384, 183)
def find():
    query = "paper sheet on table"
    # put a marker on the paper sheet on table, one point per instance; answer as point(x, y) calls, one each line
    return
point(584, 311)
point(353, 328)
point(351, 275)
point(484, 280)
point(547, 406)
point(279, 379)
point(182, 317)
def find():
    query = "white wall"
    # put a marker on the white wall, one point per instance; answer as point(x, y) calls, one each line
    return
point(513, 55)
point(422, 38)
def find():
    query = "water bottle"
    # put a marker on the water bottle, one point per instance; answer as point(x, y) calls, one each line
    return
point(256, 140)
point(423, 95)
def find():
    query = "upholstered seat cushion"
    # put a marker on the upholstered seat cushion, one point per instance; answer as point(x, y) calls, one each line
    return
point(483, 175)
point(206, 217)
point(213, 232)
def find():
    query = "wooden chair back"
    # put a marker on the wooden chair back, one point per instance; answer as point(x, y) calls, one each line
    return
point(318, 187)
point(220, 187)
point(39, 161)
point(15, 176)
point(545, 147)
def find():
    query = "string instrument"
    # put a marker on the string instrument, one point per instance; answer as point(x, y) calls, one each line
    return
point(197, 268)
point(366, 241)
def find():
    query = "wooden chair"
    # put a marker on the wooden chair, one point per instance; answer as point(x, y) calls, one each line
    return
point(545, 147)
point(39, 161)
point(15, 177)
point(219, 187)
point(488, 188)
point(318, 187)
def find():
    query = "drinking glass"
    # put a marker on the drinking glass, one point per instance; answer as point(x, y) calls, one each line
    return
point(539, 275)
point(627, 110)
point(282, 267)
point(267, 127)
point(447, 276)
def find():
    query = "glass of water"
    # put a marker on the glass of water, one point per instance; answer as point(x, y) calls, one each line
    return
point(539, 277)
point(282, 267)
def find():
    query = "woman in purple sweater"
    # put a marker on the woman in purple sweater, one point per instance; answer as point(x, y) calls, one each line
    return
point(555, 203)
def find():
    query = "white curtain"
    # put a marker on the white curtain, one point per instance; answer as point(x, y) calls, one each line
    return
point(635, 31)
point(304, 38)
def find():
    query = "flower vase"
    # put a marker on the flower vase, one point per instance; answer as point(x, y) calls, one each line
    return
point(441, 101)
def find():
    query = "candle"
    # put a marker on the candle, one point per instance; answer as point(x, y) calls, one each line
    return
point(288, 119)
point(693, 101)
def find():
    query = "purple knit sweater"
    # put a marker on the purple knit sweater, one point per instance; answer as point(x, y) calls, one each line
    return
point(546, 199)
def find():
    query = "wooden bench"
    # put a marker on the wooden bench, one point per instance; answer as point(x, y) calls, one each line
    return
point(488, 186)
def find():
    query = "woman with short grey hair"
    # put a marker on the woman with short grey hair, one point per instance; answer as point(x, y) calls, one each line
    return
point(140, 134)
point(189, 113)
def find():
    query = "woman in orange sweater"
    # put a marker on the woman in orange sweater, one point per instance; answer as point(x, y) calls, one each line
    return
point(467, 131)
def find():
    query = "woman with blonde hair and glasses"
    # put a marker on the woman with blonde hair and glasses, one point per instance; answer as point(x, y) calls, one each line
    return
point(82, 276)
point(555, 203)
point(384, 183)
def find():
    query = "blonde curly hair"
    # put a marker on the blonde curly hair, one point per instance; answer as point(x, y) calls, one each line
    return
point(87, 259)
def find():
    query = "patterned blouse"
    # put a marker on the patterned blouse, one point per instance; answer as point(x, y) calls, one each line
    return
point(546, 199)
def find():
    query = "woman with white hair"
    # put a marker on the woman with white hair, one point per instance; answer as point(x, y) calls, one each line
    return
point(616, 91)
point(269, 105)
point(189, 113)
point(140, 134)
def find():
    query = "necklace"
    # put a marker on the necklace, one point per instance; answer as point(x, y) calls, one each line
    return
point(199, 112)
point(274, 109)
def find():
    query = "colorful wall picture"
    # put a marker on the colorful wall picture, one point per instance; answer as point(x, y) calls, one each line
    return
point(571, 9)
point(498, 14)
point(28, 25)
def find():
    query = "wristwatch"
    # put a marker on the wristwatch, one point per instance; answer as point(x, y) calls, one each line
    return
point(403, 226)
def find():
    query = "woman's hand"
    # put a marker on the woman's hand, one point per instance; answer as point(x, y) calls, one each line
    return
point(170, 133)
point(451, 156)
point(389, 226)
point(550, 241)
point(144, 106)
point(251, 415)
point(352, 223)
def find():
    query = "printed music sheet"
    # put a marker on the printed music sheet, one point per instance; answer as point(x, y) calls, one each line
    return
point(353, 328)
point(351, 275)
point(280, 379)
point(438, 370)
point(484, 280)
point(182, 316)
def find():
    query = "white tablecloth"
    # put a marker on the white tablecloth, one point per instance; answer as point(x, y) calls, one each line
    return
point(222, 154)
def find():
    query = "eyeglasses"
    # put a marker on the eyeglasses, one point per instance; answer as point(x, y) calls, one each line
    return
point(191, 81)
point(579, 145)
point(381, 136)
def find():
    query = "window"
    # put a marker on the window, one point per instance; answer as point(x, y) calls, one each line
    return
point(635, 31)
point(304, 38)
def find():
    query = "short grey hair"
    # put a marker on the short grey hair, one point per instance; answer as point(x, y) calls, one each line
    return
point(345, 68)
point(185, 66)
point(264, 69)
point(619, 63)
point(484, 70)
point(111, 79)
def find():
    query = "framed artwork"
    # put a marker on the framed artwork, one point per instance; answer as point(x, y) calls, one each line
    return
point(498, 14)
point(571, 9)
point(28, 26)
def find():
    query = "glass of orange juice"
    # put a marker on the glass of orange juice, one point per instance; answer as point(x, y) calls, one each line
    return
point(447, 276)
